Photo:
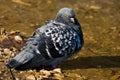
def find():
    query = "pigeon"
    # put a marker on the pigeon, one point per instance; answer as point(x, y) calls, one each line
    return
point(51, 43)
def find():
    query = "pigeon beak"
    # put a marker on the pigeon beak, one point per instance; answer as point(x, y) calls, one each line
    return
point(72, 20)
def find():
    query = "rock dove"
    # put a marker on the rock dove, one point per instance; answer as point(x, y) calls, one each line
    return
point(51, 43)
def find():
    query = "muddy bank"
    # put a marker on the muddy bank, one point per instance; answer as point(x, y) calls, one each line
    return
point(100, 57)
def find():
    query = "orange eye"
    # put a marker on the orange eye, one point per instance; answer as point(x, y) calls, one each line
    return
point(72, 20)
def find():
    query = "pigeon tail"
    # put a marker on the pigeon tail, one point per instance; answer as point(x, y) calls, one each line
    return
point(19, 60)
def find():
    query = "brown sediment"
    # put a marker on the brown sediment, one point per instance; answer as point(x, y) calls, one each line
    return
point(98, 60)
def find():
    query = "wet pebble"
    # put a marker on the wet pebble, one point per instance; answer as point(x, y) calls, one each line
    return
point(18, 39)
point(12, 55)
point(6, 51)
point(17, 78)
point(57, 70)
point(1, 50)
point(45, 73)
point(30, 77)
point(2, 31)
point(14, 33)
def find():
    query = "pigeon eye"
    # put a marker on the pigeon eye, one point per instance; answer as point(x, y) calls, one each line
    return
point(72, 20)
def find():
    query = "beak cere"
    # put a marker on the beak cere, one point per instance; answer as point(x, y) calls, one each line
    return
point(72, 20)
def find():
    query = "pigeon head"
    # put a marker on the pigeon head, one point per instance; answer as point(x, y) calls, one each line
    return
point(66, 15)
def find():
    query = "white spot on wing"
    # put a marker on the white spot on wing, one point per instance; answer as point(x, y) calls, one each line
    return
point(56, 47)
point(37, 51)
point(49, 53)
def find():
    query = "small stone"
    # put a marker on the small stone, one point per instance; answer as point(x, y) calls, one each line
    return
point(30, 77)
point(6, 51)
point(57, 70)
point(17, 78)
point(2, 31)
point(30, 71)
point(1, 49)
point(13, 49)
point(14, 33)
point(18, 39)
point(45, 73)
point(12, 55)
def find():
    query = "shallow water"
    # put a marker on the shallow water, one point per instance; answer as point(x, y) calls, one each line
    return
point(100, 21)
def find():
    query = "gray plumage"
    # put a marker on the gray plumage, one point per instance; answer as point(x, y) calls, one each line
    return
point(51, 44)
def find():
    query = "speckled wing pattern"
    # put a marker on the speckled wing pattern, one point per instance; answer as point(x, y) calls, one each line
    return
point(57, 40)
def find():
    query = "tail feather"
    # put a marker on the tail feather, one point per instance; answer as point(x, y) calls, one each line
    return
point(12, 63)
point(20, 59)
